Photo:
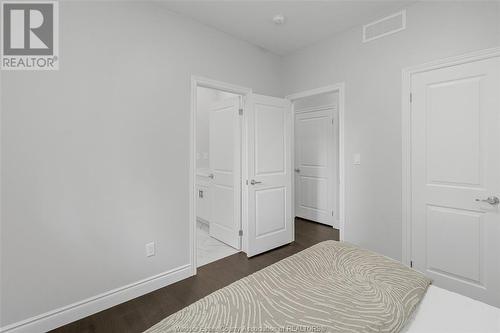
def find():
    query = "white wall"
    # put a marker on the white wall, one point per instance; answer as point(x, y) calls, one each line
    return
point(95, 156)
point(372, 73)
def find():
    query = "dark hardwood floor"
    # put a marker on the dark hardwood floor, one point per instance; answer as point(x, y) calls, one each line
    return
point(139, 314)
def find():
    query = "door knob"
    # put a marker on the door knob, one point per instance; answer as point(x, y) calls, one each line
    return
point(211, 176)
point(297, 170)
point(253, 182)
point(491, 200)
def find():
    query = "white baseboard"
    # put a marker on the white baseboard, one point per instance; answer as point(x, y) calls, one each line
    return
point(67, 314)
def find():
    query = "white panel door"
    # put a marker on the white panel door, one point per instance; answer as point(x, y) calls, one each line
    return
point(455, 169)
point(270, 221)
point(315, 157)
point(225, 166)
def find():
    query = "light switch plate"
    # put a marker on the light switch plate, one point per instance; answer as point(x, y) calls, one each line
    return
point(356, 159)
point(150, 249)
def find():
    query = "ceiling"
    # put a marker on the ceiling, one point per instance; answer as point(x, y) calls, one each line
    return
point(307, 21)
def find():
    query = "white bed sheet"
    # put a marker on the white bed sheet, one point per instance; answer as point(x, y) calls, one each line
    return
point(443, 311)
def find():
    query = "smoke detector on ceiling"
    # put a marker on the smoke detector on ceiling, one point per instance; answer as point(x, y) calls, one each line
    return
point(278, 19)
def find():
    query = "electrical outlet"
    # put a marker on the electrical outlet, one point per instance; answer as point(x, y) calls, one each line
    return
point(150, 249)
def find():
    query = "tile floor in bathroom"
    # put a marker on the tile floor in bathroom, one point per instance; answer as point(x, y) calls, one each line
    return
point(210, 249)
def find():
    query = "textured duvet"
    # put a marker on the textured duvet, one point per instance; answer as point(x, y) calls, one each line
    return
point(329, 287)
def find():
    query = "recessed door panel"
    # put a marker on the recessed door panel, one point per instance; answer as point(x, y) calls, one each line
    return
point(313, 193)
point(223, 207)
point(453, 125)
point(271, 211)
point(269, 139)
point(313, 141)
point(222, 139)
point(466, 243)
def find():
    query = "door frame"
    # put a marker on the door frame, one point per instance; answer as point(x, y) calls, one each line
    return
point(406, 89)
point(340, 89)
point(199, 81)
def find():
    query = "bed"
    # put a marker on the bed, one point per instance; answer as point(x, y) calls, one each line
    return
point(443, 311)
point(333, 287)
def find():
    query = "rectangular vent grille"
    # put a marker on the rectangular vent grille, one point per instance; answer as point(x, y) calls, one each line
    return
point(384, 27)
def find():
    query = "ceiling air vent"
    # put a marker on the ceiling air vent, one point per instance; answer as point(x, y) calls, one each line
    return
point(384, 27)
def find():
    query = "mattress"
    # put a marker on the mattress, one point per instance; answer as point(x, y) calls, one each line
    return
point(329, 287)
point(443, 311)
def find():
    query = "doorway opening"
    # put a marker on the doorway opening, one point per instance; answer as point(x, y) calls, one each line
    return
point(241, 190)
point(218, 169)
point(216, 162)
point(318, 156)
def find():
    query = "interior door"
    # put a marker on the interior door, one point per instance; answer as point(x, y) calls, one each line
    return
point(315, 153)
point(225, 166)
point(269, 188)
point(455, 137)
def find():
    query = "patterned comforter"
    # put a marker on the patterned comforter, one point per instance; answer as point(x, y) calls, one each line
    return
point(329, 287)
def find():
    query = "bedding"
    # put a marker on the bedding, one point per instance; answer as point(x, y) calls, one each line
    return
point(443, 311)
point(329, 287)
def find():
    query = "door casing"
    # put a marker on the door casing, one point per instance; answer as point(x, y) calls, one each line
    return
point(198, 81)
point(340, 89)
point(406, 124)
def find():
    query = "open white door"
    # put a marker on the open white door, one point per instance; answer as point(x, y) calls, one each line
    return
point(225, 165)
point(269, 188)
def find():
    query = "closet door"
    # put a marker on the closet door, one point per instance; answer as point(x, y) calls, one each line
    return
point(315, 159)
point(455, 135)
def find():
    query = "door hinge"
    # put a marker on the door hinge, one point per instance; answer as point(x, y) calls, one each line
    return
point(240, 233)
point(411, 263)
point(411, 97)
point(240, 111)
point(332, 121)
point(332, 212)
